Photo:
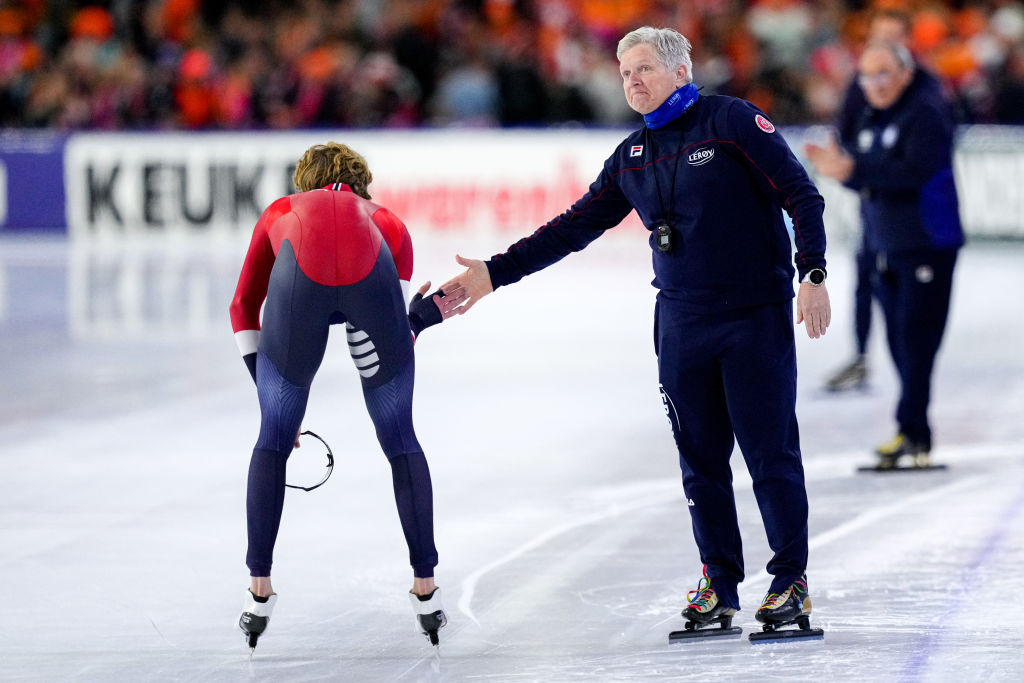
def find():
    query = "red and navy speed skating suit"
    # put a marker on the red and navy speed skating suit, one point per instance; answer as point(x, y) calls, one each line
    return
point(322, 258)
point(718, 174)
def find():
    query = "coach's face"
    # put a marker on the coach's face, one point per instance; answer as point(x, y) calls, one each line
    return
point(882, 78)
point(646, 81)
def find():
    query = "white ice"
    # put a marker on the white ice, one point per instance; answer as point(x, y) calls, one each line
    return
point(126, 422)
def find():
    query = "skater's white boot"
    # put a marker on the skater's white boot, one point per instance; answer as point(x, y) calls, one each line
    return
point(256, 616)
point(429, 611)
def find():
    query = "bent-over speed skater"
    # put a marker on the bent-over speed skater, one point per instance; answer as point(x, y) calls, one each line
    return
point(330, 256)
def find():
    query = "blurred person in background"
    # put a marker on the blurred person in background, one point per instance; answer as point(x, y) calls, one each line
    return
point(901, 163)
point(709, 177)
point(891, 26)
point(329, 256)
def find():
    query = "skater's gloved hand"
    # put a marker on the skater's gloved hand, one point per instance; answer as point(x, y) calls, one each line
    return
point(250, 362)
point(425, 311)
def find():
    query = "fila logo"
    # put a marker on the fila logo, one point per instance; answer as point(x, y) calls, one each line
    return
point(701, 156)
point(636, 150)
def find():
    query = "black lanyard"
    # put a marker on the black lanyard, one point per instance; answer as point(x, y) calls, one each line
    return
point(663, 232)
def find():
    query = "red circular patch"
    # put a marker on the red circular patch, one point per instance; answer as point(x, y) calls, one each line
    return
point(764, 124)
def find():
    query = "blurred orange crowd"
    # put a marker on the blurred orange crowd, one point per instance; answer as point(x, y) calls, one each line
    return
point(223, 64)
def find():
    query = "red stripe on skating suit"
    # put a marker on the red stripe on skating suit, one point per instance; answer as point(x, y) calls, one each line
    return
point(336, 236)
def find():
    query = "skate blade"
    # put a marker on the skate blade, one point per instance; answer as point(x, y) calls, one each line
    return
point(696, 634)
point(903, 468)
point(788, 634)
point(846, 388)
point(251, 639)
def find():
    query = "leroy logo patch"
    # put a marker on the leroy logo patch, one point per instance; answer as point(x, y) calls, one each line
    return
point(636, 150)
point(764, 124)
point(701, 156)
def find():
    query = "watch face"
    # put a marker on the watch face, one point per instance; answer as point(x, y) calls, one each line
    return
point(816, 276)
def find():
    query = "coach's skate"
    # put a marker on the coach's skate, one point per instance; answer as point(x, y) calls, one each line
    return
point(853, 376)
point(703, 612)
point(429, 611)
point(791, 606)
point(915, 454)
point(256, 616)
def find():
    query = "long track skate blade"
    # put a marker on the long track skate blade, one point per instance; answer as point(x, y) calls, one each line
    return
point(692, 634)
point(790, 634)
point(908, 468)
point(432, 635)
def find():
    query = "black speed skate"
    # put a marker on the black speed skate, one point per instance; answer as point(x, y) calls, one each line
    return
point(792, 606)
point(256, 616)
point(429, 611)
point(703, 612)
point(916, 454)
point(852, 376)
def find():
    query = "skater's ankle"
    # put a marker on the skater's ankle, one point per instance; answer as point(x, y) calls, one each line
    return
point(260, 587)
point(423, 586)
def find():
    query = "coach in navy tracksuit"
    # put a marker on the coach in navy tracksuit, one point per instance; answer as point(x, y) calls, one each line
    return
point(894, 26)
point(708, 177)
point(902, 165)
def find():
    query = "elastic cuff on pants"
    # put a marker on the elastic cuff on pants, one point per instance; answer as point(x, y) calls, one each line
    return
point(425, 570)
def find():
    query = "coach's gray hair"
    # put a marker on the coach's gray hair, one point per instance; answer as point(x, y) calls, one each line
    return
point(902, 54)
point(672, 47)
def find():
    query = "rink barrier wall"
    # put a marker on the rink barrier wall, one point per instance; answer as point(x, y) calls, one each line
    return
point(32, 181)
point(214, 185)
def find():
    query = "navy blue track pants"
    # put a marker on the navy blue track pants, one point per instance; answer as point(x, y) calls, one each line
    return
point(297, 316)
point(732, 376)
point(914, 289)
point(863, 298)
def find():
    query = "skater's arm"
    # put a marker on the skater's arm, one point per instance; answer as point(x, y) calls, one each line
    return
point(252, 286)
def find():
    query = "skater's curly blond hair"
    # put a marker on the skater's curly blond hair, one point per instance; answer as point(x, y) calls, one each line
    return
point(334, 162)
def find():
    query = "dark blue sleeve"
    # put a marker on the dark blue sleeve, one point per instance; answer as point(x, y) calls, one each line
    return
point(849, 115)
point(780, 173)
point(602, 207)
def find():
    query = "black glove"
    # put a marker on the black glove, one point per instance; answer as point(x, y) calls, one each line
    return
point(250, 362)
point(423, 312)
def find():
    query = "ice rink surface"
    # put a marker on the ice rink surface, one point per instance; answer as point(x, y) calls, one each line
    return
point(127, 418)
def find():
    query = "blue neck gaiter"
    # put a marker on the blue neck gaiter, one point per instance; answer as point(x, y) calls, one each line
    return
point(672, 108)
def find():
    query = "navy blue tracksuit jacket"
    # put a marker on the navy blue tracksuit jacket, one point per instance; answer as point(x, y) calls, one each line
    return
point(909, 206)
point(851, 117)
point(720, 176)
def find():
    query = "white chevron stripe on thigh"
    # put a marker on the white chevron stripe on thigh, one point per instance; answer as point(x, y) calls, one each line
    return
point(363, 351)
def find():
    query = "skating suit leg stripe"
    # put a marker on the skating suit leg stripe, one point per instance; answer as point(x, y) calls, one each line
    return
point(363, 352)
point(361, 349)
point(356, 336)
point(367, 361)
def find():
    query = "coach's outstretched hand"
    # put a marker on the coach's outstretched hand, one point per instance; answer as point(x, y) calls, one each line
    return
point(466, 289)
